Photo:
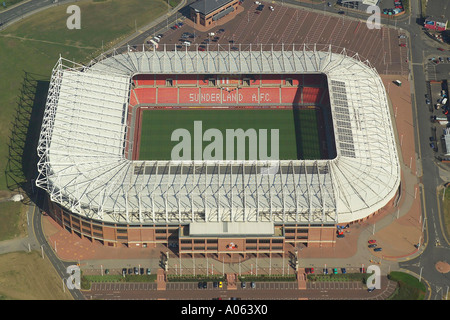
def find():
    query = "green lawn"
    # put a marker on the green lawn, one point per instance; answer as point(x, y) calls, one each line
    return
point(446, 210)
point(409, 287)
point(298, 133)
point(33, 45)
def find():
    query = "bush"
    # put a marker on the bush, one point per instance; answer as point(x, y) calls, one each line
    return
point(409, 287)
point(265, 277)
point(192, 278)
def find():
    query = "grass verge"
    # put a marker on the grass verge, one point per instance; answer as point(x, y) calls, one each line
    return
point(409, 287)
point(26, 276)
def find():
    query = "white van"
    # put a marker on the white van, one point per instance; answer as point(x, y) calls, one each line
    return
point(186, 43)
point(398, 83)
point(154, 44)
point(444, 101)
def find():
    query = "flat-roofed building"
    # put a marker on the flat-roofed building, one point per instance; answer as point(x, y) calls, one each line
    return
point(206, 12)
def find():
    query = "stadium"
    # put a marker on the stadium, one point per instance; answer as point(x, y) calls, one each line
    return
point(104, 148)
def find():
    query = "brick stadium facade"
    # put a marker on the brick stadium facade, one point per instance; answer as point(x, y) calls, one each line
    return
point(285, 238)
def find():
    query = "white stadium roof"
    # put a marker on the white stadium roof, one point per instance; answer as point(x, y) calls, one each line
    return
point(83, 168)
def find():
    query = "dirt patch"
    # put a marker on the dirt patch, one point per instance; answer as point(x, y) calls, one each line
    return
point(442, 267)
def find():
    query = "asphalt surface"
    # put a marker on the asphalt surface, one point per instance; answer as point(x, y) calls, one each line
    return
point(420, 49)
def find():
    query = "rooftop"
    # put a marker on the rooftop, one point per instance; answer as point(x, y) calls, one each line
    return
point(207, 6)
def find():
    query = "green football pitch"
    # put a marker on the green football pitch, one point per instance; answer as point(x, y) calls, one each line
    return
point(298, 131)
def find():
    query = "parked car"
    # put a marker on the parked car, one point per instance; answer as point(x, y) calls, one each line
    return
point(335, 271)
point(253, 285)
point(215, 284)
point(309, 270)
point(372, 241)
point(124, 271)
point(428, 101)
point(136, 270)
point(220, 284)
point(441, 49)
point(372, 245)
point(377, 249)
point(344, 271)
point(243, 285)
point(149, 271)
point(325, 271)
point(200, 285)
